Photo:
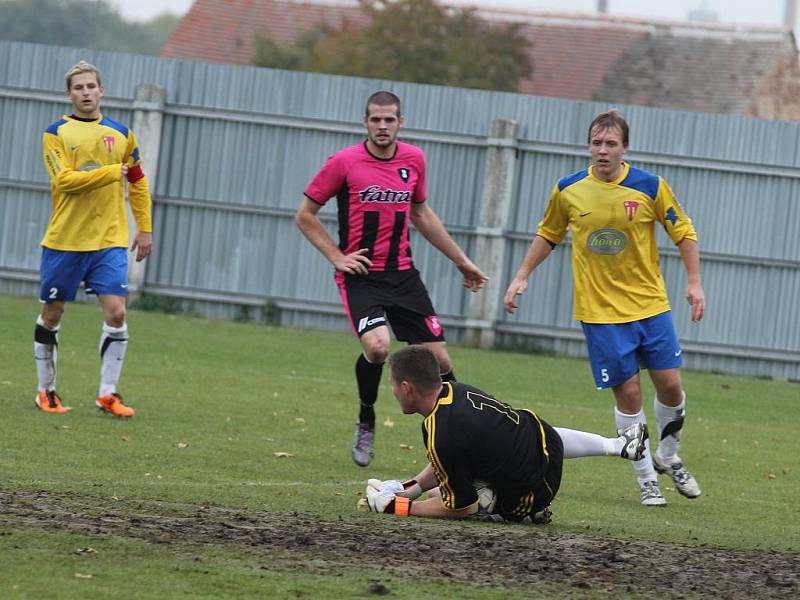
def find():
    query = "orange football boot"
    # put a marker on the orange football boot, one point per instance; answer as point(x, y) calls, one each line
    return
point(112, 403)
point(50, 402)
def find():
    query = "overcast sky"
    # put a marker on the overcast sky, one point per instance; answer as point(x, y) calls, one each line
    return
point(742, 11)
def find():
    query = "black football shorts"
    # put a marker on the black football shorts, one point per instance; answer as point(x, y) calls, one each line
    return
point(396, 298)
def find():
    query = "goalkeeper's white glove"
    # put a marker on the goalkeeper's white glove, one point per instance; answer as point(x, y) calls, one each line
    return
point(382, 497)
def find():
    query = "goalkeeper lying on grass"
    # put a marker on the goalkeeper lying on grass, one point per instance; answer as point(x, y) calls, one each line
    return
point(485, 457)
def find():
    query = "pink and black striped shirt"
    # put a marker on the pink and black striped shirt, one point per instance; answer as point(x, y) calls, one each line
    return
point(374, 197)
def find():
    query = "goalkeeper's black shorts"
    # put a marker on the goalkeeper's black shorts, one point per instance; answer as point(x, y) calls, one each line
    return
point(514, 504)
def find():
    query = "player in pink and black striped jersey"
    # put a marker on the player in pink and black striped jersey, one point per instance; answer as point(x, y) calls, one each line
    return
point(379, 186)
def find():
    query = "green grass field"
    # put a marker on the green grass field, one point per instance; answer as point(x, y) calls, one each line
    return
point(219, 403)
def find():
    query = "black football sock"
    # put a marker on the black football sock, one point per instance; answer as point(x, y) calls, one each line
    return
point(368, 376)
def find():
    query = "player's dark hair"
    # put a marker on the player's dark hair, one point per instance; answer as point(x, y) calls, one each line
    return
point(418, 365)
point(610, 119)
point(383, 98)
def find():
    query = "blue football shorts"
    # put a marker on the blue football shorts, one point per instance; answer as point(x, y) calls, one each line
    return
point(102, 272)
point(617, 350)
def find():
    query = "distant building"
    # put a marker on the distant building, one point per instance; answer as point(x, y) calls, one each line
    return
point(748, 70)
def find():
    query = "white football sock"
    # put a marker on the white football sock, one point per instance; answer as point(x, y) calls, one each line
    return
point(669, 419)
point(45, 351)
point(113, 344)
point(644, 466)
point(581, 443)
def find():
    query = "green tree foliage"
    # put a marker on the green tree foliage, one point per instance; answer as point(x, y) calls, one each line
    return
point(410, 40)
point(82, 23)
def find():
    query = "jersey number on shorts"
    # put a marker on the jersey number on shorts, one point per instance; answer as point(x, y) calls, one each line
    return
point(479, 401)
point(53, 293)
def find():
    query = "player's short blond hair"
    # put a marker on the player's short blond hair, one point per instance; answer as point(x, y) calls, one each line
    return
point(82, 67)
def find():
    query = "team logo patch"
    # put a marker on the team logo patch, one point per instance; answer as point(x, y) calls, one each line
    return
point(607, 241)
point(434, 325)
point(108, 140)
point(404, 174)
point(630, 209)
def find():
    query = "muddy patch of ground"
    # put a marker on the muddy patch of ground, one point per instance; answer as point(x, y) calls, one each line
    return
point(489, 554)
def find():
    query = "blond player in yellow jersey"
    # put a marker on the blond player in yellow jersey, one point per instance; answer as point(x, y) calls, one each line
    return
point(89, 157)
point(612, 208)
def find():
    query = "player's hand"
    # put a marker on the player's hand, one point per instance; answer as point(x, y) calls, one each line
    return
point(355, 263)
point(696, 298)
point(143, 244)
point(124, 171)
point(381, 494)
point(517, 288)
point(474, 278)
point(411, 489)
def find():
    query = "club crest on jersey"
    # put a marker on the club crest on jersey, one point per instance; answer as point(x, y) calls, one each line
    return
point(434, 325)
point(630, 209)
point(404, 174)
point(108, 140)
point(376, 193)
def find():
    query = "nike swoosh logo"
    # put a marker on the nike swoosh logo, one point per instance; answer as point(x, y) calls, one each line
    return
point(679, 352)
point(122, 285)
point(586, 214)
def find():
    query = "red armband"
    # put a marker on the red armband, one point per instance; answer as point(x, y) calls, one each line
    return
point(135, 173)
point(402, 506)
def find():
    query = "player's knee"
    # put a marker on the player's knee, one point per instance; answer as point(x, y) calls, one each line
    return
point(115, 317)
point(377, 351)
point(51, 315)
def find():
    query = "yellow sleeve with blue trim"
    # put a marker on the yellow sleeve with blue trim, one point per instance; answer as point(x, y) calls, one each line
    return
point(671, 215)
point(138, 188)
point(553, 227)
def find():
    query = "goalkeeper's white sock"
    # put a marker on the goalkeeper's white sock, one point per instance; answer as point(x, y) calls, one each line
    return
point(669, 420)
point(644, 466)
point(45, 351)
point(113, 343)
point(578, 444)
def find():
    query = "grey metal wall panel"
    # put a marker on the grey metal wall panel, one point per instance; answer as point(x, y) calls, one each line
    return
point(239, 145)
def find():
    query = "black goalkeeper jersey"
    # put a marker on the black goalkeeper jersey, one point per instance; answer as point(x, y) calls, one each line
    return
point(471, 436)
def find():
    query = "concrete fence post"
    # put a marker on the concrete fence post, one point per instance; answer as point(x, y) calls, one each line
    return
point(498, 181)
point(148, 121)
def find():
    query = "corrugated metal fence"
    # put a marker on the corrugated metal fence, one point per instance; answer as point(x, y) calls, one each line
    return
point(239, 144)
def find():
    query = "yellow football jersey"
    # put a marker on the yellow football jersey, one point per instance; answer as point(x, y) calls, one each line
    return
point(615, 267)
point(84, 160)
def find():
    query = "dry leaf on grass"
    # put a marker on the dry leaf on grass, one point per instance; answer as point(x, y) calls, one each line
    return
point(181, 445)
point(388, 422)
point(282, 454)
point(406, 447)
point(300, 420)
point(84, 576)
